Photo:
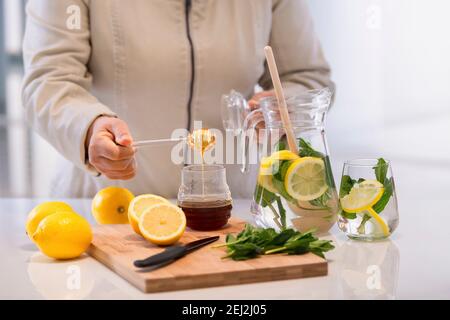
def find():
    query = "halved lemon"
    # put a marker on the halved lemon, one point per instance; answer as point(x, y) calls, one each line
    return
point(162, 224)
point(138, 205)
point(362, 196)
point(305, 179)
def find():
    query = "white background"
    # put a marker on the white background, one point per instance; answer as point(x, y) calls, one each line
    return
point(390, 62)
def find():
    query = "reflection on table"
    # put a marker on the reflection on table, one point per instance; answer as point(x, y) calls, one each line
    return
point(368, 270)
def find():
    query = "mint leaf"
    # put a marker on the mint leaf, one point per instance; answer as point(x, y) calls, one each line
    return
point(381, 170)
point(384, 200)
point(282, 213)
point(280, 168)
point(279, 185)
point(347, 184)
point(230, 238)
point(348, 215)
point(281, 144)
point(281, 238)
point(362, 226)
point(253, 242)
point(244, 251)
point(329, 173)
point(306, 150)
point(322, 201)
point(264, 196)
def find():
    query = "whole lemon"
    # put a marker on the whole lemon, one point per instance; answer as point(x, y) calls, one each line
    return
point(110, 205)
point(63, 235)
point(41, 211)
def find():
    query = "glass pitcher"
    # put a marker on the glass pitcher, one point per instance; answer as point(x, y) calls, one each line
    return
point(293, 189)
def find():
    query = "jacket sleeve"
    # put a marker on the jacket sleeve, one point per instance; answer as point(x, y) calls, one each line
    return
point(296, 48)
point(56, 88)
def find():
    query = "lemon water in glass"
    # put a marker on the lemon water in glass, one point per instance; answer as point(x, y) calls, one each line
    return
point(368, 200)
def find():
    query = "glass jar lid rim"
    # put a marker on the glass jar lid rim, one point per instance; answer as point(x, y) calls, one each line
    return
point(298, 95)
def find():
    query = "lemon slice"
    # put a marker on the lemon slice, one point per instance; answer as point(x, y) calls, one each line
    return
point(378, 221)
point(305, 179)
point(284, 155)
point(265, 174)
point(138, 205)
point(162, 224)
point(267, 166)
point(362, 196)
point(266, 182)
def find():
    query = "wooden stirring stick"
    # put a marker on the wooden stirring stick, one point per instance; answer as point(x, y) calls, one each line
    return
point(292, 142)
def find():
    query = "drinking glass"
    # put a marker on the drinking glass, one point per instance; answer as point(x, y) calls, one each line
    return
point(205, 197)
point(368, 200)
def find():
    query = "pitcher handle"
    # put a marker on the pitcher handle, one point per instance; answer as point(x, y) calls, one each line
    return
point(249, 124)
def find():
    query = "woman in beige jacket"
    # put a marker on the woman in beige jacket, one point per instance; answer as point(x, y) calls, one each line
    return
point(100, 73)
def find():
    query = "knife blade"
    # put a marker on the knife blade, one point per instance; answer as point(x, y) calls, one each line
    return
point(173, 253)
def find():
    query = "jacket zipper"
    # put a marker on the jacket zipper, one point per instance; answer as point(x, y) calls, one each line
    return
point(188, 4)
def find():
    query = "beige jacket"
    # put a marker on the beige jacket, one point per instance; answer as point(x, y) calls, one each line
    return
point(158, 66)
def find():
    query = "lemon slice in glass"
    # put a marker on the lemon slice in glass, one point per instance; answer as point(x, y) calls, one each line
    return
point(284, 155)
point(266, 168)
point(362, 196)
point(266, 182)
point(305, 179)
point(378, 221)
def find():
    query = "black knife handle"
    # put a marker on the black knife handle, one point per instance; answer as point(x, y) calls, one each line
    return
point(169, 254)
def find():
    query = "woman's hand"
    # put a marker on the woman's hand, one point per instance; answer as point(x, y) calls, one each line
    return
point(109, 148)
point(253, 103)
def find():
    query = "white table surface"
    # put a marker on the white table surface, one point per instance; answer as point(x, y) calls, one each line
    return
point(413, 264)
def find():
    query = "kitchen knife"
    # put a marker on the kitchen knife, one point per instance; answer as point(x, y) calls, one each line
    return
point(173, 253)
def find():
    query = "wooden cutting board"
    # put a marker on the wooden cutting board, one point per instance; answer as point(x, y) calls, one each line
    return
point(117, 246)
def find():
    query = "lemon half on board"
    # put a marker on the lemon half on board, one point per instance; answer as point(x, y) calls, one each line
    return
point(138, 205)
point(162, 224)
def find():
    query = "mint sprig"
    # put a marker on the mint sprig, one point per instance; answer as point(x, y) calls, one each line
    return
point(253, 242)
